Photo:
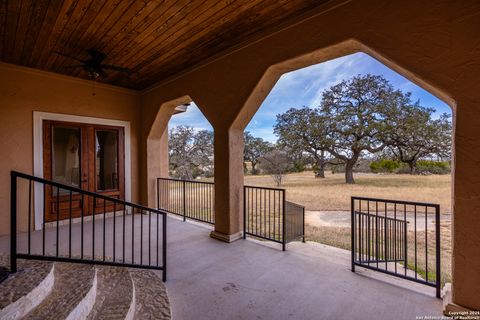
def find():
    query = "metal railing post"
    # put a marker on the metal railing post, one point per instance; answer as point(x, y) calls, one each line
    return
point(437, 249)
point(405, 242)
point(284, 220)
point(164, 247)
point(244, 213)
point(13, 222)
point(158, 193)
point(352, 208)
point(303, 218)
point(184, 202)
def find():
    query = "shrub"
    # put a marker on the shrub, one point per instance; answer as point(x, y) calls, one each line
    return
point(433, 167)
point(299, 167)
point(403, 169)
point(384, 165)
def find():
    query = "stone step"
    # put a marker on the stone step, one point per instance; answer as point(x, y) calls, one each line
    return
point(115, 294)
point(27, 288)
point(151, 300)
point(72, 296)
point(46, 290)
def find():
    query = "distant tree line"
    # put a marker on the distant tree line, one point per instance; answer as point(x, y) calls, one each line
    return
point(360, 120)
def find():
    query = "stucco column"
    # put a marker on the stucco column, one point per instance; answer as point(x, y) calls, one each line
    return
point(157, 151)
point(466, 218)
point(157, 163)
point(228, 184)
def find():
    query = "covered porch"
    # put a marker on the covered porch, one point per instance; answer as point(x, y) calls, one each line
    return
point(226, 56)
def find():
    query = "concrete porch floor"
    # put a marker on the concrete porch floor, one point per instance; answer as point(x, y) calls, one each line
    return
point(247, 279)
point(208, 279)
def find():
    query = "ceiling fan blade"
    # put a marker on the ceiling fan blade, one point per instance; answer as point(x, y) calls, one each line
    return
point(97, 56)
point(75, 66)
point(116, 68)
point(68, 56)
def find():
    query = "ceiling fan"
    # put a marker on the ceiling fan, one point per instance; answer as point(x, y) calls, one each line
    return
point(93, 65)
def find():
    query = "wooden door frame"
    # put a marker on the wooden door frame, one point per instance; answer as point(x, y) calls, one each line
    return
point(38, 118)
point(88, 166)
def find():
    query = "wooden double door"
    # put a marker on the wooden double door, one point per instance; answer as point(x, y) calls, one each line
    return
point(85, 156)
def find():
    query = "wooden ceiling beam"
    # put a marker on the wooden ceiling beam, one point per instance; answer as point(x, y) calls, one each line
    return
point(3, 24)
point(44, 31)
point(55, 34)
point(13, 14)
point(204, 41)
point(156, 33)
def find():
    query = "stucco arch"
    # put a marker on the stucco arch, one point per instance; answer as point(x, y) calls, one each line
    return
point(157, 145)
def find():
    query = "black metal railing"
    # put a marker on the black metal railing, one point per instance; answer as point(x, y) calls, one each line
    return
point(189, 199)
point(400, 238)
point(294, 222)
point(269, 216)
point(84, 227)
point(267, 213)
point(391, 245)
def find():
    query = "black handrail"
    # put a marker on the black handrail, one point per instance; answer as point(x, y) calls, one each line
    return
point(120, 210)
point(381, 239)
point(183, 180)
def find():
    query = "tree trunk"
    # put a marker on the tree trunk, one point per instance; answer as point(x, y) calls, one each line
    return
point(320, 170)
point(349, 172)
point(413, 167)
point(254, 170)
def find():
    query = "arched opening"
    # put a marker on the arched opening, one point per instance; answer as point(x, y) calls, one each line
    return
point(387, 171)
point(157, 146)
point(182, 164)
point(190, 144)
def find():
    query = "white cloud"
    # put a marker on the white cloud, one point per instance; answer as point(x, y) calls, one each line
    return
point(304, 87)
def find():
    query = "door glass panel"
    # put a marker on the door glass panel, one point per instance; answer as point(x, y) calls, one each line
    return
point(66, 156)
point(106, 164)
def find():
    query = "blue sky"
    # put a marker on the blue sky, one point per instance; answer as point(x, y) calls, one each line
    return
point(304, 87)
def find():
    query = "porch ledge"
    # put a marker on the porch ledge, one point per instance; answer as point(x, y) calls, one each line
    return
point(226, 237)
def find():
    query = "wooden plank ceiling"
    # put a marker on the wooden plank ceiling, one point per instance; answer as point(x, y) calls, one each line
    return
point(156, 38)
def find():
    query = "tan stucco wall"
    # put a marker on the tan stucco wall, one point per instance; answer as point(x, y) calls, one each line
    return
point(23, 91)
point(434, 43)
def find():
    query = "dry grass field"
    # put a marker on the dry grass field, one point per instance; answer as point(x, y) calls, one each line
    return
point(332, 194)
